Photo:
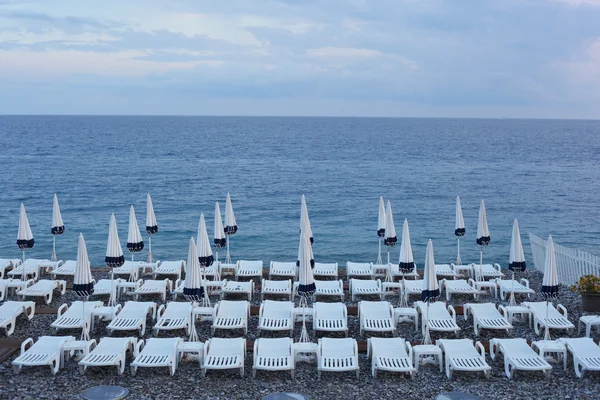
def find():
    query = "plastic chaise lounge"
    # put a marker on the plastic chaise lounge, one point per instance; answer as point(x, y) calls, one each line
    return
point(6, 263)
point(394, 273)
point(229, 314)
point(359, 270)
point(133, 317)
point(67, 269)
point(12, 283)
point(157, 352)
point(361, 287)
point(462, 355)
point(459, 286)
point(412, 288)
point(586, 354)
point(32, 266)
point(10, 310)
point(508, 286)
point(337, 355)
point(390, 354)
point(108, 353)
point(486, 316)
point(224, 354)
point(212, 287)
point(544, 313)
point(151, 287)
point(325, 270)
point(276, 288)
point(376, 316)
point(44, 288)
point(487, 271)
point(329, 288)
point(330, 317)
point(48, 350)
point(273, 355)
point(437, 317)
point(237, 287)
point(445, 271)
point(276, 316)
point(518, 356)
point(173, 269)
point(174, 316)
point(129, 270)
point(284, 269)
point(75, 317)
point(249, 269)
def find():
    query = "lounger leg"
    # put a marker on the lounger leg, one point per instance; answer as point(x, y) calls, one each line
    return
point(588, 330)
point(319, 374)
point(242, 372)
point(55, 366)
point(253, 373)
point(10, 328)
point(203, 372)
point(17, 369)
point(82, 369)
point(133, 370)
point(172, 369)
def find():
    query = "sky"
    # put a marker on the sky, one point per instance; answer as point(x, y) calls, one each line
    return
point(413, 58)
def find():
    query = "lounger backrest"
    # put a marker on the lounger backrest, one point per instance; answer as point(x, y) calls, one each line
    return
point(277, 347)
point(374, 309)
point(437, 310)
point(517, 347)
point(583, 346)
point(282, 264)
point(279, 309)
point(322, 310)
point(539, 308)
point(48, 343)
point(358, 267)
point(253, 264)
point(326, 266)
point(156, 346)
point(457, 283)
point(173, 264)
point(395, 347)
point(11, 307)
point(414, 284)
point(133, 309)
point(225, 347)
point(488, 309)
point(233, 309)
point(459, 347)
point(328, 284)
point(331, 347)
point(69, 264)
point(109, 345)
point(175, 309)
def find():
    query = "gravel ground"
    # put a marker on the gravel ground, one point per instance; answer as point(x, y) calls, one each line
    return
point(187, 383)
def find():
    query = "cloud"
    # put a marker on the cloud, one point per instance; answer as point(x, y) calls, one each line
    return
point(343, 52)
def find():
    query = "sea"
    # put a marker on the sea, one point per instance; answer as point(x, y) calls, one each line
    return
point(545, 173)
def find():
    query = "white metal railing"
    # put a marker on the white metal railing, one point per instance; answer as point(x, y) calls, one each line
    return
point(571, 264)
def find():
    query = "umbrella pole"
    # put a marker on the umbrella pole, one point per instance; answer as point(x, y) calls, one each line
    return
point(111, 300)
point(379, 261)
point(228, 258)
point(388, 263)
point(150, 248)
point(512, 301)
point(84, 333)
point(53, 257)
point(193, 334)
point(304, 335)
point(427, 338)
point(480, 263)
point(547, 330)
point(458, 260)
point(24, 274)
point(132, 274)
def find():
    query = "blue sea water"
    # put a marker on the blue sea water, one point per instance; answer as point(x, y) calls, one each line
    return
point(546, 173)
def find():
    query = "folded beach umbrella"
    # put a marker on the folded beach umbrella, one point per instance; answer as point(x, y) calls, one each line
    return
point(193, 285)
point(58, 227)
point(310, 256)
point(431, 289)
point(135, 244)
point(459, 228)
point(306, 281)
point(114, 255)
point(205, 255)
point(380, 227)
point(25, 239)
point(151, 225)
point(516, 260)
point(390, 231)
point(305, 221)
point(83, 282)
point(230, 225)
point(219, 240)
point(550, 279)
point(483, 233)
point(407, 262)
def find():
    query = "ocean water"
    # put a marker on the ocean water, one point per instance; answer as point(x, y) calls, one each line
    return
point(545, 173)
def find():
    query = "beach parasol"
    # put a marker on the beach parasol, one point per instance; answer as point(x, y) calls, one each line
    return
point(25, 239)
point(83, 282)
point(135, 244)
point(230, 225)
point(483, 235)
point(306, 281)
point(406, 264)
point(205, 255)
point(305, 221)
point(219, 240)
point(390, 231)
point(193, 286)
point(151, 225)
point(114, 256)
point(380, 227)
point(459, 228)
point(550, 280)
point(58, 227)
point(431, 289)
point(516, 261)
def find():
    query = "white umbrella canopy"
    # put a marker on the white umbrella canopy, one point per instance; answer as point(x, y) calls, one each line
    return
point(151, 225)
point(205, 255)
point(114, 255)
point(219, 240)
point(431, 289)
point(459, 229)
point(550, 280)
point(230, 225)
point(24, 235)
point(406, 262)
point(135, 243)
point(305, 221)
point(193, 285)
point(310, 255)
point(483, 232)
point(390, 230)
point(516, 260)
point(306, 280)
point(58, 226)
point(380, 227)
point(83, 282)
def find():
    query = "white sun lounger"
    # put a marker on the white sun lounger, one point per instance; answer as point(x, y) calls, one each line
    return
point(285, 269)
point(13, 283)
point(487, 271)
point(330, 317)
point(174, 316)
point(10, 310)
point(325, 270)
point(376, 316)
point(458, 286)
point(276, 288)
point(44, 288)
point(229, 314)
point(32, 266)
point(586, 354)
point(173, 269)
point(273, 355)
point(486, 316)
point(359, 270)
point(150, 287)
point(329, 288)
point(133, 317)
point(249, 269)
point(48, 350)
point(412, 288)
point(544, 313)
point(440, 318)
point(461, 355)
point(6, 263)
point(75, 317)
point(212, 287)
point(390, 354)
point(507, 286)
point(157, 352)
point(395, 273)
point(103, 287)
point(276, 316)
point(237, 287)
point(445, 271)
point(67, 269)
point(128, 269)
point(224, 354)
point(518, 356)
point(337, 355)
point(108, 353)
point(361, 287)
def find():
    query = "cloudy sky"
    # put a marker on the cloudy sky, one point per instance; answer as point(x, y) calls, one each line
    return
point(484, 58)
